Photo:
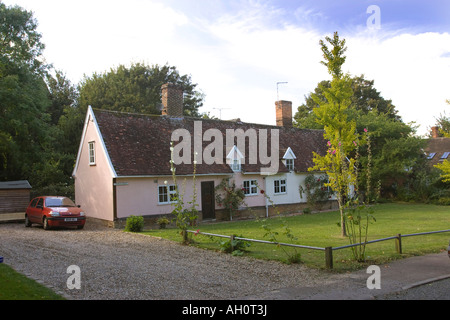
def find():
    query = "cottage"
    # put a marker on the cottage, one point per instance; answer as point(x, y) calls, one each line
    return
point(438, 148)
point(123, 165)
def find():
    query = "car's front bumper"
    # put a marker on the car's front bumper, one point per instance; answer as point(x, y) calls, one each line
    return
point(66, 221)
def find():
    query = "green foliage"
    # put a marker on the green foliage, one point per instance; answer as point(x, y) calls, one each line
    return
point(357, 222)
point(134, 224)
point(316, 191)
point(162, 222)
point(234, 246)
point(137, 89)
point(229, 196)
point(334, 58)
point(16, 286)
point(445, 168)
point(185, 214)
point(20, 43)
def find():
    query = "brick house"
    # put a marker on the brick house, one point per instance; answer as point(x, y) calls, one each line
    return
point(123, 163)
point(438, 148)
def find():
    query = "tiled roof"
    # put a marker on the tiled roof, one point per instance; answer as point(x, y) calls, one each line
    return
point(439, 146)
point(140, 144)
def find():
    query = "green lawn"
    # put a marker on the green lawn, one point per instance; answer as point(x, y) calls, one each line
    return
point(15, 286)
point(321, 230)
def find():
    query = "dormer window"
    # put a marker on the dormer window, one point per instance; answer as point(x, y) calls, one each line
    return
point(234, 159)
point(290, 164)
point(288, 159)
point(236, 165)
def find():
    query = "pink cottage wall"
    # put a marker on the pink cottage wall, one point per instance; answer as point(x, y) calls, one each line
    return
point(139, 196)
point(93, 183)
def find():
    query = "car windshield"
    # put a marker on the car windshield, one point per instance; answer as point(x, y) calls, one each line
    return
point(59, 202)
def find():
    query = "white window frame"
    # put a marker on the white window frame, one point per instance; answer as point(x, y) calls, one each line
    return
point(236, 165)
point(234, 158)
point(289, 159)
point(290, 164)
point(166, 191)
point(250, 187)
point(281, 185)
point(91, 151)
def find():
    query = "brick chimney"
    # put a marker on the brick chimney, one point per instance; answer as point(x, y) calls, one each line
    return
point(283, 113)
point(435, 132)
point(172, 99)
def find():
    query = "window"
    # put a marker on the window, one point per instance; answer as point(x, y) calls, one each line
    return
point(445, 155)
point(33, 203)
point(250, 187)
point(431, 155)
point(92, 153)
point(167, 194)
point(290, 164)
point(234, 159)
point(289, 158)
point(236, 165)
point(279, 186)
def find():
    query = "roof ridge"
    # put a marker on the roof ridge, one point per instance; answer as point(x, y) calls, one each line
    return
point(201, 119)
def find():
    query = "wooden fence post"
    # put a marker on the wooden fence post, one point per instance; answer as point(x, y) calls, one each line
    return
point(329, 257)
point(231, 242)
point(185, 236)
point(398, 243)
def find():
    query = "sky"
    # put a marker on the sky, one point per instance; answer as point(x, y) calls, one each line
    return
point(246, 54)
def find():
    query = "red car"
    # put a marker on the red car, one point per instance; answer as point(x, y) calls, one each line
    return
point(54, 212)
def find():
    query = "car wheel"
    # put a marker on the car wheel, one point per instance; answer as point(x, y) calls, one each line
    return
point(80, 227)
point(46, 226)
point(27, 222)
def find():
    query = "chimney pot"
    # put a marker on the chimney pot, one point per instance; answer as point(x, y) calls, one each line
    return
point(172, 99)
point(283, 113)
point(435, 132)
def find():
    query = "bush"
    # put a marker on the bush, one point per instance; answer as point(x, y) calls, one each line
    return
point(445, 201)
point(235, 246)
point(134, 224)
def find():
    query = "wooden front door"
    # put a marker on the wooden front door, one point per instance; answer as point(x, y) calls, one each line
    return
point(208, 200)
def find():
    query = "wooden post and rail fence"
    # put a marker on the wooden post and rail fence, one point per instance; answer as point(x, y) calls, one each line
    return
point(327, 250)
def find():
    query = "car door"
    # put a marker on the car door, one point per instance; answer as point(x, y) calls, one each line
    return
point(39, 210)
point(31, 212)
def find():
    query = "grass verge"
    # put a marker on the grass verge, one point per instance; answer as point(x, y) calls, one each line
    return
point(321, 230)
point(15, 286)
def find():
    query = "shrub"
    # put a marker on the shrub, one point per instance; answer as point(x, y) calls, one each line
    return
point(134, 224)
point(162, 222)
point(235, 246)
point(445, 201)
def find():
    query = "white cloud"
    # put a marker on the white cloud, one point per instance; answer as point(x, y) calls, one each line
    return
point(411, 70)
point(238, 56)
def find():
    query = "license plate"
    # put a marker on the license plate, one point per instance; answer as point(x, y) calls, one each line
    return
point(70, 219)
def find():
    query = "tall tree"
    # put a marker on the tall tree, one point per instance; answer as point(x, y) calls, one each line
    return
point(339, 131)
point(24, 121)
point(137, 89)
point(20, 43)
point(365, 99)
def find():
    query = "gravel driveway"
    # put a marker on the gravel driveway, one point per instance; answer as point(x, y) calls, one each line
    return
point(119, 265)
